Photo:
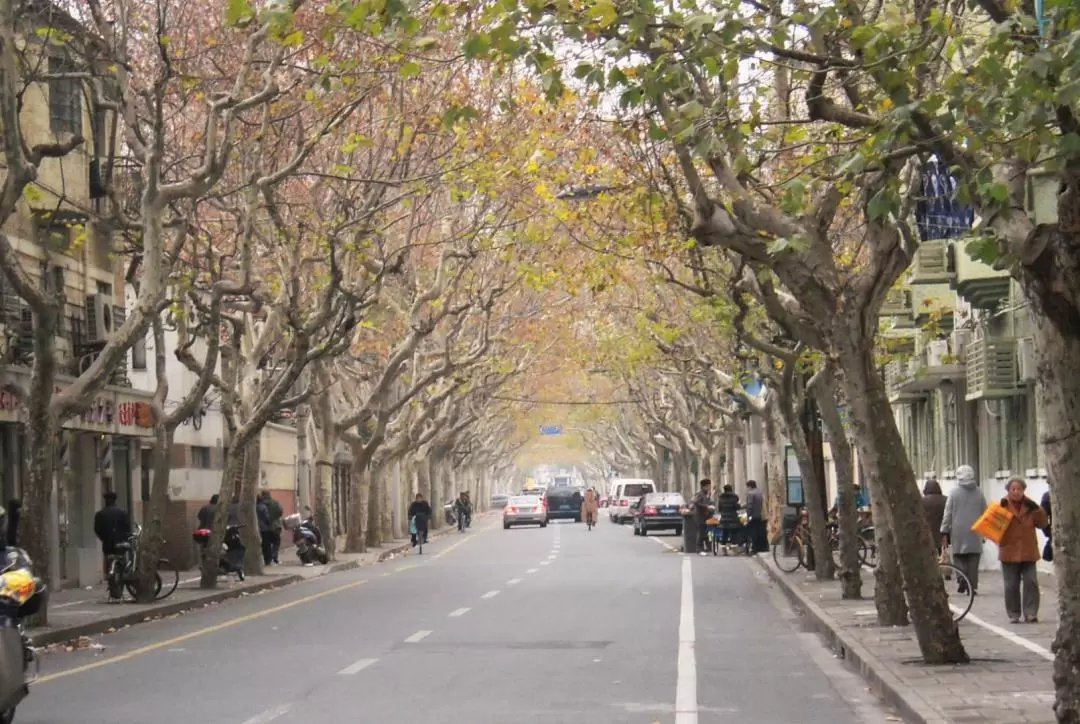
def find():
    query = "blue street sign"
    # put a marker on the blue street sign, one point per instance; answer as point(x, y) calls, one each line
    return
point(551, 429)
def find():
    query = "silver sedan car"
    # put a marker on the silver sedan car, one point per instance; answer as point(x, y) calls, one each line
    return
point(525, 510)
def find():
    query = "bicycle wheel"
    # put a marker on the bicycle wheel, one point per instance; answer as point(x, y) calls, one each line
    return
point(957, 589)
point(115, 580)
point(787, 554)
point(169, 577)
point(131, 586)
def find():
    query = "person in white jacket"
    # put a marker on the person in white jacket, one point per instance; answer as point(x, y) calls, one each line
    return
point(965, 504)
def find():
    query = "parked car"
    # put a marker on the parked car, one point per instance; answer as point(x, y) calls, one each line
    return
point(524, 510)
point(623, 493)
point(659, 511)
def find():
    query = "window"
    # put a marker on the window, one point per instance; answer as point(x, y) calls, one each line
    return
point(54, 235)
point(65, 98)
point(200, 457)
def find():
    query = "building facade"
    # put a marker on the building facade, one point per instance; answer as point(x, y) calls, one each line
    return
point(64, 247)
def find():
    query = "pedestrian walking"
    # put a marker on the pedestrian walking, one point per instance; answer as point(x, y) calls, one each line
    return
point(275, 515)
point(266, 532)
point(965, 505)
point(1018, 552)
point(933, 506)
point(755, 518)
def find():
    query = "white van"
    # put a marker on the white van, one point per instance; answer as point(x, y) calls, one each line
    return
point(625, 491)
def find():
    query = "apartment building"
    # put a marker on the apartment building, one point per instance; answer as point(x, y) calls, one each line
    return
point(62, 244)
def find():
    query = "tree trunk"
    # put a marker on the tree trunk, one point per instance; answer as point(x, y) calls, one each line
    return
point(153, 520)
point(324, 490)
point(388, 491)
point(249, 491)
point(230, 484)
point(889, 598)
point(1058, 400)
point(788, 404)
point(358, 492)
point(885, 463)
point(41, 435)
point(847, 513)
point(775, 482)
point(681, 474)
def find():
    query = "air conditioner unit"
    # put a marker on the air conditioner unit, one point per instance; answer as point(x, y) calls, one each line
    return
point(960, 339)
point(99, 306)
point(936, 351)
point(1025, 359)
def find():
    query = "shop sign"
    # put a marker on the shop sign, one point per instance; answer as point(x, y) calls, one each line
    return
point(108, 414)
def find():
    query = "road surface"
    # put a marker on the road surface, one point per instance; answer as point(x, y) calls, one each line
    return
point(538, 626)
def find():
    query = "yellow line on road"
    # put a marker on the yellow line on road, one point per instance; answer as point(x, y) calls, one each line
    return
point(195, 634)
point(168, 643)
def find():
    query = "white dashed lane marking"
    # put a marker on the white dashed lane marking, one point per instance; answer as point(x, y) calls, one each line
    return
point(532, 570)
point(417, 637)
point(357, 667)
point(270, 715)
point(459, 612)
point(490, 594)
point(513, 581)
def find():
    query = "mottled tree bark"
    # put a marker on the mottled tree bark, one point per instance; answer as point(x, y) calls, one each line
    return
point(850, 566)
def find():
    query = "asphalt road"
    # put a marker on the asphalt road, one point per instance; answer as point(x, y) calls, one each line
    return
point(534, 626)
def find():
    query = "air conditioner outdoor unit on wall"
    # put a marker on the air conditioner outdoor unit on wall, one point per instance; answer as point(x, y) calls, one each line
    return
point(1025, 359)
point(99, 306)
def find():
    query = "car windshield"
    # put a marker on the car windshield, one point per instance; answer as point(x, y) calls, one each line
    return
point(636, 490)
point(664, 499)
point(525, 500)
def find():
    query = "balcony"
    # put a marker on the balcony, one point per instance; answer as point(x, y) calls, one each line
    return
point(898, 305)
point(897, 374)
point(929, 300)
point(991, 368)
point(931, 263)
point(979, 284)
point(926, 371)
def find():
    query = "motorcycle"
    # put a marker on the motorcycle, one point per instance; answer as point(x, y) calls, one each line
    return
point(307, 538)
point(231, 558)
point(21, 596)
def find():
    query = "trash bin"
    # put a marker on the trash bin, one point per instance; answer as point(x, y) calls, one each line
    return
point(689, 533)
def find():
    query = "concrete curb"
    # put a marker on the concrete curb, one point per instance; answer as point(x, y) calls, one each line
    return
point(892, 690)
point(92, 628)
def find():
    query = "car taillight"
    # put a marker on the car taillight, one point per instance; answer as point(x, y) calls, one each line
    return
point(650, 510)
point(511, 509)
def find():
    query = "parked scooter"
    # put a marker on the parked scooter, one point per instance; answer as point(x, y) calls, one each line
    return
point(231, 558)
point(307, 538)
point(21, 596)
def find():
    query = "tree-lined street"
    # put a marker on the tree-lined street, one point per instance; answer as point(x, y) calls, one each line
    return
point(532, 625)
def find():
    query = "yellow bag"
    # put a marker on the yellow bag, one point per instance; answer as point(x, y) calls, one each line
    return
point(993, 522)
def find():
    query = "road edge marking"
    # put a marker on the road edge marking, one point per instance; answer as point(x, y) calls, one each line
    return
point(686, 702)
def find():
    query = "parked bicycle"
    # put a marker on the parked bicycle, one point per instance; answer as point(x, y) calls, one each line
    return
point(123, 570)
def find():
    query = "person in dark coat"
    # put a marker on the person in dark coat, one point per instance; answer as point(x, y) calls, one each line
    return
point(420, 510)
point(702, 508)
point(14, 512)
point(112, 526)
point(728, 507)
point(933, 505)
point(755, 519)
point(266, 531)
point(206, 513)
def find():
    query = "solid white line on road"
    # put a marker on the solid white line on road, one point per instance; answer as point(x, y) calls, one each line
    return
point(490, 594)
point(513, 581)
point(686, 703)
point(357, 667)
point(270, 715)
point(459, 612)
point(417, 637)
point(1015, 638)
point(532, 570)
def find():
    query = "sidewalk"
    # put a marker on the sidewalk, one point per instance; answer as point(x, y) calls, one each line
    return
point(1009, 680)
point(76, 614)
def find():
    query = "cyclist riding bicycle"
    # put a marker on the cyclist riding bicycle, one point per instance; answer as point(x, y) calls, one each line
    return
point(463, 510)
